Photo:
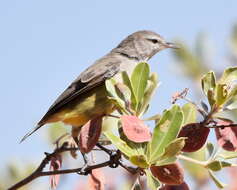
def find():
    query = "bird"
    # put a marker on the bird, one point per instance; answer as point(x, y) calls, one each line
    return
point(86, 97)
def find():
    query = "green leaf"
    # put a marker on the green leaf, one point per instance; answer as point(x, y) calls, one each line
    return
point(210, 149)
point(211, 98)
point(231, 102)
point(214, 165)
point(151, 87)
point(111, 90)
point(208, 82)
point(139, 79)
point(152, 182)
point(227, 164)
point(218, 183)
point(228, 76)
point(123, 92)
point(190, 113)
point(139, 160)
point(168, 161)
point(120, 144)
point(171, 151)
point(110, 123)
point(232, 93)
point(165, 132)
point(221, 94)
point(128, 83)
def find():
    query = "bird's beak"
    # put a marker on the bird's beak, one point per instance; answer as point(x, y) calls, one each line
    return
point(171, 45)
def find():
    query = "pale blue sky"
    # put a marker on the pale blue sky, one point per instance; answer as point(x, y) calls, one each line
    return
point(45, 44)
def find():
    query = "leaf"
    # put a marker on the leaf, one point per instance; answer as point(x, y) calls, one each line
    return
point(204, 106)
point(214, 165)
point(139, 160)
point(221, 94)
point(120, 144)
point(189, 113)
point(89, 134)
point(113, 96)
point(135, 129)
point(233, 92)
point(152, 182)
point(151, 87)
point(208, 82)
point(227, 137)
point(228, 76)
point(171, 174)
point(165, 132)
point(127, 82)
point(218, 183)
point(210, 148)
point(217, 165)
point(196, 135)
point(173, 149)
point(55, 164)
point(96, 180)
point(110, 123)
point(211, 98)
point(139, 79)
point(124, 93)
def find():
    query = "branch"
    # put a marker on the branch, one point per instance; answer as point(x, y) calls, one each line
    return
point(113, 162)
point(223, 126)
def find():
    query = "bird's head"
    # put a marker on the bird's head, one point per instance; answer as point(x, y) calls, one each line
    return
point(143, 45)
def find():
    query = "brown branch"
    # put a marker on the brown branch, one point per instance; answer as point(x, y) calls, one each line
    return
point(40, 168)
point(113, 162)
point(223, 126)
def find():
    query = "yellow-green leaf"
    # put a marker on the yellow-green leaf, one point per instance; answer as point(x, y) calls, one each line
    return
point(165, 132)
point(152, 182)
point(208, 82)
point(228, 76)
point(221, 94)
point(139, 79)
point(190, 113)
point(120, 144)
point(139, 160)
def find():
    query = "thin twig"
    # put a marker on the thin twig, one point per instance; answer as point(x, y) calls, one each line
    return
point(223, 126)
point(129, 168)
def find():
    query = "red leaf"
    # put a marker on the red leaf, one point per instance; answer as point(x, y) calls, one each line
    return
point(227, 137)
point(196, 135)
point(55, 164)
point(96, 180)
point(182, 186)
point(89, 134)
point(171, 174)
point(135, 129)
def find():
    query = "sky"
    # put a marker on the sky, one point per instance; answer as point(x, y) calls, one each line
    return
point(44, 45)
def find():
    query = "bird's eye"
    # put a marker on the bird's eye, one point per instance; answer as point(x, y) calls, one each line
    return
point(154, 41)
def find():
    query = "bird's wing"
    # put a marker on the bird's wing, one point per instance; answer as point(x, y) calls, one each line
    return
point(93, 76)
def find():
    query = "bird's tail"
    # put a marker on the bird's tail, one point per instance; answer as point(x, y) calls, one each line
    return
point(30, 132)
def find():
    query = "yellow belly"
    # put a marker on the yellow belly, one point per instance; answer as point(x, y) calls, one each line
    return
point(89, 105)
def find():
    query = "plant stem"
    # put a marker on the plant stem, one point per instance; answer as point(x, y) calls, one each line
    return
point(182, 157)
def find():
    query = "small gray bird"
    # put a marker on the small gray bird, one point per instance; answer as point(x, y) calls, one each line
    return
point(86, 98)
